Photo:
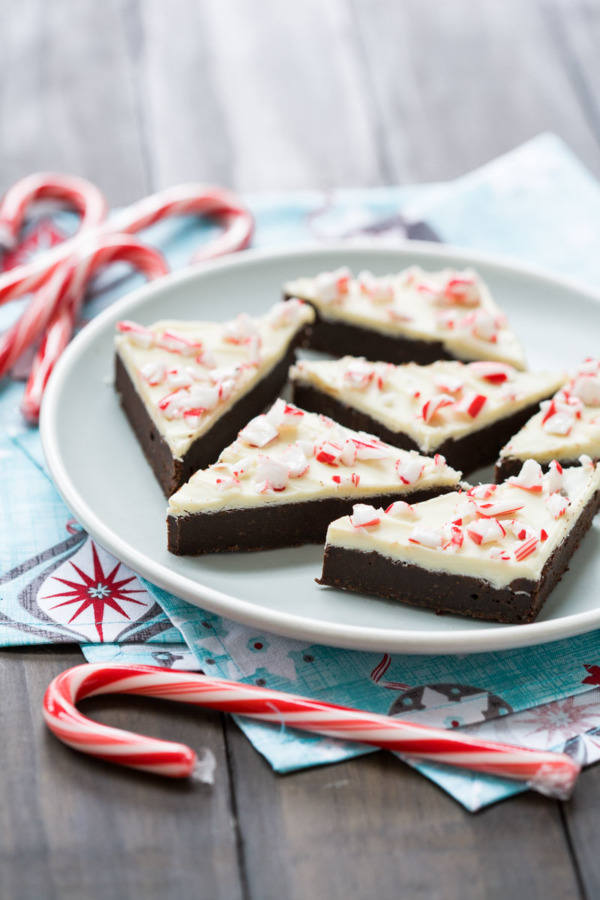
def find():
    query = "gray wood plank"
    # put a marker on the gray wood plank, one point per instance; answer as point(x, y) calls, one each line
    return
point(72, 827)
point(374, 828)
point(457, 83)
point(575, 27)
point(255, 96)
point(67, 95)
point(581, 817)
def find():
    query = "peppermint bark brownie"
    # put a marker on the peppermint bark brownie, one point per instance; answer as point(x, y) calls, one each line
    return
point(465, 411)
point(413, 316)
point(286, 477)
point(188, 387)
point(563, 428)
point(495, 552)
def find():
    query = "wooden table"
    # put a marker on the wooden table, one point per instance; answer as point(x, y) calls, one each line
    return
point(260, 94)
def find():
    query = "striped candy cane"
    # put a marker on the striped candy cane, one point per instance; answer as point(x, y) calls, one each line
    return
point(70, 283)
point(78, 193)
point(553, 774)
point(182, 200)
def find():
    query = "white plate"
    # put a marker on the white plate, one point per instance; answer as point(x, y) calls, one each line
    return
point(100, 472)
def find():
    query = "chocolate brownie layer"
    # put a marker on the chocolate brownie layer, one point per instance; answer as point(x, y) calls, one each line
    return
point(480, 448)
point(519, 602)
point(271, 526)
point(172, 473)
point(341, 338)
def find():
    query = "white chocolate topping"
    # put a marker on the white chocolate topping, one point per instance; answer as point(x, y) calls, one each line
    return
point(290, 456)
point(455, 308)
point(189, 374)
point(497, 533)
point(431, 403)
point(566, 426)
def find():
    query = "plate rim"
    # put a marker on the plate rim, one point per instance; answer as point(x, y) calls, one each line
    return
point(356, 637)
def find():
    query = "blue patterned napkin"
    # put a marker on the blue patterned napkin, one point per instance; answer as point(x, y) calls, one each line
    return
point(537, 203)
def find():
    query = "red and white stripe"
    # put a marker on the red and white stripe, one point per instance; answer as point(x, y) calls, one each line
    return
point(57, 319)
point(78, 193)
point(57, 278)
point(182, 200)
point(553, 774)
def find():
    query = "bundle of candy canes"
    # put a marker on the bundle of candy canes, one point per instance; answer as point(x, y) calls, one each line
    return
point(57, 279)
point(553, 774)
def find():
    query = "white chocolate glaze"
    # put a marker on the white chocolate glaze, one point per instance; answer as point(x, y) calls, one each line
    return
point(189, 374)
point(493, 532)
point(290, 456)
point(566, 427)
point(430, 404)
point(455, 308)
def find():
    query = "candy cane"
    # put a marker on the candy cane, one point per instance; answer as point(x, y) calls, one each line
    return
point(71, 291)
point(553, 774)
point(79, 193)
point(186, 199)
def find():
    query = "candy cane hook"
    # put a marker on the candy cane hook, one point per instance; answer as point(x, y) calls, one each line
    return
point(553, 774)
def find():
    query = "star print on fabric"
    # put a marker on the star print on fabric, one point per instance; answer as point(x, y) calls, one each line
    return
point(99, 591)
point(557, 721)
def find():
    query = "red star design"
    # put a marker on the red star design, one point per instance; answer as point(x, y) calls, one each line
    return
point(98, 591)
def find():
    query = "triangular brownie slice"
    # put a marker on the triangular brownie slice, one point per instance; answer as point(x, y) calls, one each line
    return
point(288, 474)
point(563, 429)
point(494, 552)
point(188, 387)
point(413, 316)
point(465, 411)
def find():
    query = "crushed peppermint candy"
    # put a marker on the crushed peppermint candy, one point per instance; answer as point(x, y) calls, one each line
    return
point(295, 460)
point(136, 334)
point(525, 548)
point(359, 373)
point(482, 491)
point(494, 372)
point(470, 405)
point(409, 470)
point(365, 516)
point(353, 479)
point(178, 343)
point(587, 389)
point(400, 509)
point(285, 312)
point(379, 290)
point(557, 505)
point(553, 479)
point(258, 432)
point(153, 373)
point(447, 383)
point(331, 287)
point(432, 538)
point(486, 531)
point(489, 510)
point(284, 415)
point(529, 478)
point(431, 407)
point(271, 475)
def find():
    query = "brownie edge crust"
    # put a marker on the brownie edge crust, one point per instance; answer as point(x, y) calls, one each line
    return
point(517, 603)
point(270, 527)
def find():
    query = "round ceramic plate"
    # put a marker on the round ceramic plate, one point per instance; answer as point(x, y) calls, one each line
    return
point(103, 477)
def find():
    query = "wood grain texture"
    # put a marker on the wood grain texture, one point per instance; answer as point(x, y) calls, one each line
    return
point(373, 828)
point(458, 83)
point(138, 94)
point(67, 97)
point(72, 827)
point(253, 96)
